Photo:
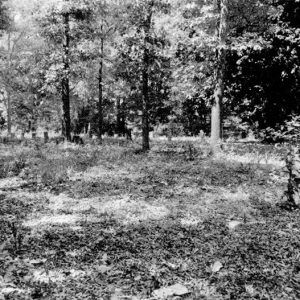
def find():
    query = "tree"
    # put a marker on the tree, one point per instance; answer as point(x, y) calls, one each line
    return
point(106, 26)
point(262, 77)
point(57, 30)
point(142, 58)
point(216, 110)
point(17, 45)
point(213, 30)
point(4, 25)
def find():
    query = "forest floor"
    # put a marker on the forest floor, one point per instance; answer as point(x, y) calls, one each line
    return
point(108, 222)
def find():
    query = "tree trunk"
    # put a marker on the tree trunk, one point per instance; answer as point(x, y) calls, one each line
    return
point(119, 118)
point(46, 137)
point(100, 86)
point(145, 83)
point(33, 134)
point(145, 104)
point(9, 125)
point(216, 110)
point(66, 80)
point(9, 57)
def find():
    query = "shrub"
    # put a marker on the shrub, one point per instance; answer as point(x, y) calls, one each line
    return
point(289, 132)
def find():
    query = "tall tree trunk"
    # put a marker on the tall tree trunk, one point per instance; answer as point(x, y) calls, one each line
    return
point(9, 57)
point(145, 82)
point(216, 111)
point(100, 86)
point(145, 104)
point(66, 79)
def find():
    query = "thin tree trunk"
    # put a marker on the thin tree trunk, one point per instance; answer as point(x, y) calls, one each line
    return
point(9, 54)
point(216, 111)
point(66, 80)
point(119, 118)
point(9, 123)
point(145, 83)
point(100, 86)
point(145, 105)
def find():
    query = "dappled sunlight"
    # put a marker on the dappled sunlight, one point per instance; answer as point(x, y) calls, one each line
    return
point(123, 208)
point(59, 202)
point(239, 195)
point(101, 172)
point(190, 220)
point(11, 183)
point(59, 219)
point(251, 158)
point(149, 150)
point(90, 220)
point(57, 276)
point(189, 191)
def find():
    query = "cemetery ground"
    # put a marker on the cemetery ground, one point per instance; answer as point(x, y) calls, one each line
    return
point(108, 222)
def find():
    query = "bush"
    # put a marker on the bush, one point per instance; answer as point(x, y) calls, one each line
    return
point(289, 132)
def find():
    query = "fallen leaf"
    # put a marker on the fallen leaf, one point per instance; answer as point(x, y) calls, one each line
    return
point(171, 266)
point(103, 269)
point(117, 295)
point(37, 262)
point(184, 267)
point(11, 290)
point(76, 273)
point(216, 267)
point(249, 289)
point(104, 257)
point(233, 224)
point(173, 290)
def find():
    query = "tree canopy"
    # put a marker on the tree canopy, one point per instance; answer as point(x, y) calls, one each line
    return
point(108, 66)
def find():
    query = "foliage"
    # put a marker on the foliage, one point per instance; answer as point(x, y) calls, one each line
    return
point(275, 91)
point(288, 132)
point(263, 38)
point(130, 61)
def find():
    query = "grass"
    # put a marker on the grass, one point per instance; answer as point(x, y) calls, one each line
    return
point(103, 222)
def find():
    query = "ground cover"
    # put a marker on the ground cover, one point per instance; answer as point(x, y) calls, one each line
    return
point(108, 222)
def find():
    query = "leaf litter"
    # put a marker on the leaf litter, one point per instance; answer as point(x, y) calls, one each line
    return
point(207, 243)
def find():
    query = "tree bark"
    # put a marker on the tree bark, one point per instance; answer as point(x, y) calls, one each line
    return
point(145, 82)
point(66, 79)
point(145, 104)
point(9, 57)
point(100, 87)
point(9, 123)
point(216, 110)
point(119, 118)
